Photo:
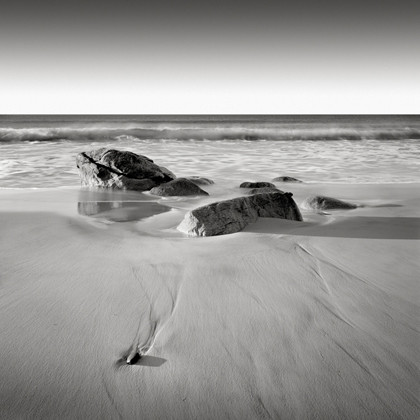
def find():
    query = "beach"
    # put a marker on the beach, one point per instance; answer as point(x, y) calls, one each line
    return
point(285, 319)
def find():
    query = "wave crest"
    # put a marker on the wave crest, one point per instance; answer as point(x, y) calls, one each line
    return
point(88, 134)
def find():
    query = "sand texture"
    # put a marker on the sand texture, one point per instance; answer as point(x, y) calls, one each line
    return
point(294, 320)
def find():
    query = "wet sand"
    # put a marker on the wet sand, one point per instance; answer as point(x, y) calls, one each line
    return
point(313, 319)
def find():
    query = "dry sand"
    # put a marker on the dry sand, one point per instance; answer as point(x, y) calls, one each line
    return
point(317, 319)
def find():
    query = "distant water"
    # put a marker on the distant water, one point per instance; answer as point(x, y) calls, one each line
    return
point(39, 151)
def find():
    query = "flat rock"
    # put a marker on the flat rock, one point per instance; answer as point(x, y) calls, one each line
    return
point(199, 180)
point(111, 168)
point(285, 179)
point(263, 190)
point(256, 185)
point(178, 187)
point(233, 215)
point(319, 202)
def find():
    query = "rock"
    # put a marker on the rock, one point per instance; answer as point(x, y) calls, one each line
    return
point(319, 202)
point(280, 205)
point(199, 180)
point(256, 185)
point(233, 215)
point(263, 190)
point(133, 357)
point(178, 187)
point(120, 169)
point(285, 179)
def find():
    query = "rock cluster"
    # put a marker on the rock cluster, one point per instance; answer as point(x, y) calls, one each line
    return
point(233, 215)
point(109, 168)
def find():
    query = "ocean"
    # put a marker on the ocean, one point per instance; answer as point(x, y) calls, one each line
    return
point(38, 151)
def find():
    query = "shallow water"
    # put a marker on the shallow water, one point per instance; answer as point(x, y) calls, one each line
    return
point(323, 150)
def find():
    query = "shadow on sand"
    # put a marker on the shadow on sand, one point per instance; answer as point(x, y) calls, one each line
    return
point(360, 227)
point(149, 361)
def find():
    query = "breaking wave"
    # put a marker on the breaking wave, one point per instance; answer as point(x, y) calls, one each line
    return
point(89, 134)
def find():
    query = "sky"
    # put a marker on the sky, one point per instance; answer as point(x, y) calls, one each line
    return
point(192, 57)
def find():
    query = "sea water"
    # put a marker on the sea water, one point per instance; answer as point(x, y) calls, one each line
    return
point(40, 151)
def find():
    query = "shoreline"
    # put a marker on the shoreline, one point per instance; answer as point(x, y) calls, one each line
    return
point(317, 319)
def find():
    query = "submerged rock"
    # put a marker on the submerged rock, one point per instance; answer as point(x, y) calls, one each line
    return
point(263, 190)
point(319, 202)
point(199, 180)
point(233, 215)
point(178, 187)
point(256, 185)
point(285, 179)
point(111, 168)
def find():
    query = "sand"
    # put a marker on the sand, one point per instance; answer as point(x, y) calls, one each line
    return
point(317, 319)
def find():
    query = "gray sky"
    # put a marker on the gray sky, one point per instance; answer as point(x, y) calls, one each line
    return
point(214, 57)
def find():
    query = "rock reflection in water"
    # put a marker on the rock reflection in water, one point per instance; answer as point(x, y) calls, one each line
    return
point(118, 206)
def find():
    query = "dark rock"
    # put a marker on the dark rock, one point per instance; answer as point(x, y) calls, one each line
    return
point(120, 169)
point(256, 185)
point(178, 187)
point(285, 179)
point(133, 357)
point(263, 190)
point(319, 202)
point(233, 215)
point(199, 180)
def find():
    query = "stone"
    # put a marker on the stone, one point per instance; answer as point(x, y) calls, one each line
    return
point(256, 185)
point(319, 202)
point(199, 180)
point(133, 357)
point(285, 179)
point(263, 190)
point(230, 216)
point(111, 168)
point(178, 187)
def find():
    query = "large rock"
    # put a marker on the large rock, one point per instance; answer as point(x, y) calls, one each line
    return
point(233, 215)
point(256, 185)
point(320, 202)
point(120, 169)
point(178, 187)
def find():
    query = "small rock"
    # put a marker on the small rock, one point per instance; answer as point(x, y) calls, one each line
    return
point(256, 185)
point(133, 357)
point(199, 180)
point(178, 187)
point(319, 202)
point(285, 179)
point(263, 190)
